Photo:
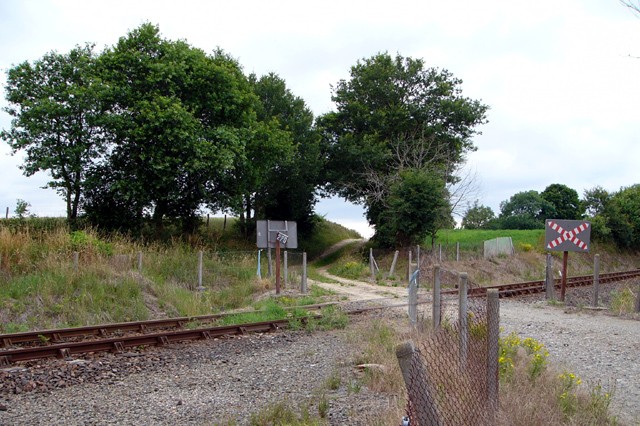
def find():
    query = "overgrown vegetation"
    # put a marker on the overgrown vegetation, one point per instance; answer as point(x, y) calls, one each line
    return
point(41, 287)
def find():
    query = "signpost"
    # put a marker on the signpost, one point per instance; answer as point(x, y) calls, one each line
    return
point(276, 234)
point(566, 236)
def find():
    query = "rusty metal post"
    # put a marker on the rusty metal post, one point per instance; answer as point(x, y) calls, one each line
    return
point(419, 391)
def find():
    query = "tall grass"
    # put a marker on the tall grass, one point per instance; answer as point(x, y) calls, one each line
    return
point(472, 238)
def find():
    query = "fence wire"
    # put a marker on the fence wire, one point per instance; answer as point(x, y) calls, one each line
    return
point(448, 381)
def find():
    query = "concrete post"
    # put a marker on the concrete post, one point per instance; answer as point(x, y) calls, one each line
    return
point(550, 291)
point(493, 352)
point(76, 261)
point(440, 253)
point(410, 270)
point(419, 391)
point(413, 299)
point(596, 279)
point(304, 273)
point(140, 262)
point(436, 316)
point(393, 263)
point(371, 265)
point(286, 268)
point(200, 265)
point(418, 266)
point(462, 319)
point(458, 251)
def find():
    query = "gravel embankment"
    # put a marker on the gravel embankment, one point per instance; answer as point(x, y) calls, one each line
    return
point(225, 380)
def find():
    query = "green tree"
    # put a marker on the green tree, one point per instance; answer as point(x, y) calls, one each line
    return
point(563, 202)
point(22, 208)
point(56, 108)
point(395, 115)
point(413, 211)
point(524, 210)
point(477, 216)
point(623, 217)
point(176, 120)
point(290, 193)
point(595, 200)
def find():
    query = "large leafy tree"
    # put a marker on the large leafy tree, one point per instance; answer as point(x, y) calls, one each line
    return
point(395, 115)
point(563, 202)
point(290, 194)
point(56, 108)
point(177, 119)
point(595, 200)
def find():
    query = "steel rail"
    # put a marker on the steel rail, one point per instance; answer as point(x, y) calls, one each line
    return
point(104, 330)
point(119, 344)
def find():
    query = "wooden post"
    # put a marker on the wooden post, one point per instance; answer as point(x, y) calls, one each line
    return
point(596, 279)
point(493, 352)
point(462, 319)
point(458, 251)
point(436, 316)
point(563, 284)
point(140, 262)
point(286, 269)
point(224, 225)
point(419, 391)
point(207, 220)
point(304, 273)
point(393, 263)
point(200, 265)
point(6, 216)
point(277, 266)
point(550, 291)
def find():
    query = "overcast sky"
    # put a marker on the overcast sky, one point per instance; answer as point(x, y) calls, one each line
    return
point(561, 78)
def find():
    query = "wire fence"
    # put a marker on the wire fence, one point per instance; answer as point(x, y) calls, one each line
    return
point(451, 373)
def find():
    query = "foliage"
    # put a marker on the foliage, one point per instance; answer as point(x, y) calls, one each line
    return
point(283, 413)
point(351, 269)
point(595, 200)
point(477, 216)
point(56, 108)
point(22, 208)
point(395, 116)
point(470, 238)
point(524, 210)
point(563, 203)
point(622, 214)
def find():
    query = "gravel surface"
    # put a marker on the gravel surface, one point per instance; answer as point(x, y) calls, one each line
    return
point(224, 381)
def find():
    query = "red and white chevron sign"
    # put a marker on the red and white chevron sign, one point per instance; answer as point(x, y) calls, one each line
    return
point(567, 235)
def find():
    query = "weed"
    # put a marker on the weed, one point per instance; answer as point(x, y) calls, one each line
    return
point(334, 381)
point(323, 406)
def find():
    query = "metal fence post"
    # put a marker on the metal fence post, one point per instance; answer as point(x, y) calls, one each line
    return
point(418, 266)
point(596, 279)
point(269, 267)
point(304, 273)
point(462, 319)
point(409, 271)
point(421, 396)
point(493, 349)
point(436, 297)
point(638, 299)
point(371, 265)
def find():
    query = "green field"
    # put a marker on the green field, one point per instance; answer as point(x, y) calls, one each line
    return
point(473, 239)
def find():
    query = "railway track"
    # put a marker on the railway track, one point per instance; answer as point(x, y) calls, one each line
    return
point(122, 336)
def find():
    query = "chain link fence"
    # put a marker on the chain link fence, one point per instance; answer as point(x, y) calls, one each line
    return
point(451, 372)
